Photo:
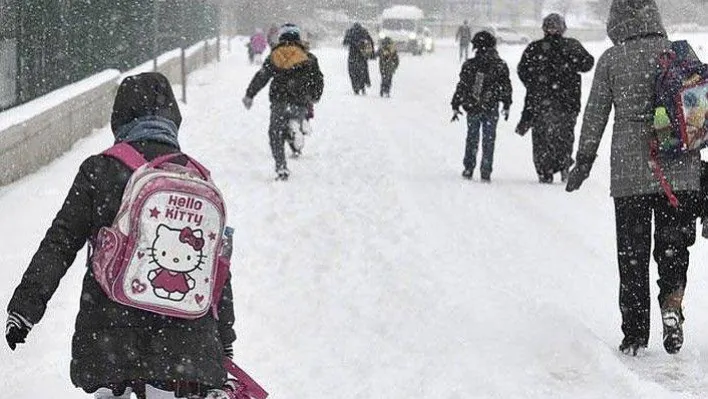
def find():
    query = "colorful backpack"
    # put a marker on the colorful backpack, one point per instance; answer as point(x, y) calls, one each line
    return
point(681, 109)
point(681, 100)
point(162, 253)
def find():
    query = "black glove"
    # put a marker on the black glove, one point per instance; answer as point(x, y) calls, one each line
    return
point(229, 351)
point(455, 115)
point(16, 329)
point(579, 173)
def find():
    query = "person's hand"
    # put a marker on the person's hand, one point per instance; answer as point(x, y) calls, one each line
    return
point(455, 115)
point(578, 174)
point(16, 329)
point(247, 102)
point(505, 113)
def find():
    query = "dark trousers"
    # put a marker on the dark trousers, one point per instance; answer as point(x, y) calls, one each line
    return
point(674, 231)
point(278, 131)
point(553, 136)
point(488, 125)
point(386, 81)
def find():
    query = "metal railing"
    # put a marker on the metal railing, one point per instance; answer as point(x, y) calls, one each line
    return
point(45, 45)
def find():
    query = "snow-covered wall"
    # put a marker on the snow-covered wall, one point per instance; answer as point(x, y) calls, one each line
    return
point(35, 133)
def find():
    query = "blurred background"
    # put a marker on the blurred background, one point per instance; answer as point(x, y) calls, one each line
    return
point(45, 45)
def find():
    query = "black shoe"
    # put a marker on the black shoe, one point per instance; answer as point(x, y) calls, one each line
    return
point(282, 174)
point(548, 179)
point(486, 178)
point(467, 173)
point(522, 128)
point(632, 347)
point(673, 330)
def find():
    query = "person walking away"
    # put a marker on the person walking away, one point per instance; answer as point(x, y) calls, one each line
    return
point(272, 36)
point(257, 46)
point(463, 37)
point(625, 78)
point(484, 83)
point(119, 349)
point(297, 83)
point(550, 69)
point(388, 64)
point(361, 50)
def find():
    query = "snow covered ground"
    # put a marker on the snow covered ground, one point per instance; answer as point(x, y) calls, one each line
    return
point(376, 271)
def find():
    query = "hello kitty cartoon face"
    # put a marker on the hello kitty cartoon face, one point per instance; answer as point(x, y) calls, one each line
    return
point(177, 250)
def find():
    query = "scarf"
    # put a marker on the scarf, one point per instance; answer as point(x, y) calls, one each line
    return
point(151, 128)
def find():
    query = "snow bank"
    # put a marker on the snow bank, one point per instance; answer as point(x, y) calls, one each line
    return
point(33, 134)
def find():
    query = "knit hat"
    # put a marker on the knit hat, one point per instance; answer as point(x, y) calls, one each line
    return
point(289, 33)
point(554, 24)
point(483, 40)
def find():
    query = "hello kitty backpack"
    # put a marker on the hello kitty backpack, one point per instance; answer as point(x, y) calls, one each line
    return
point(162, 252)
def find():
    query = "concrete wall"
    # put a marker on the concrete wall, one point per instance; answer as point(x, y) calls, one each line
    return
point(34, 134)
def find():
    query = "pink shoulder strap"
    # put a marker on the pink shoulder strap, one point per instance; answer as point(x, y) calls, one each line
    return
point(125, 153)
point(250, 387)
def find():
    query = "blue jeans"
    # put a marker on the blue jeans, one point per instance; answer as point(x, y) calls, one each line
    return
point(488, 125)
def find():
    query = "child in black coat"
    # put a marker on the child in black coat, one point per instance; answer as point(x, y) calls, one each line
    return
point(388, 64)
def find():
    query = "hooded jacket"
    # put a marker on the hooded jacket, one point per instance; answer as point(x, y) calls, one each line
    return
point(493, 86)
point(550, 69)
point(297, 78)
point(113, 343)
point(624, 78)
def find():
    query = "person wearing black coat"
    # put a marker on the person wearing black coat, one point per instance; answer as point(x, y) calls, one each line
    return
point(361, 50)
point(550, 69)
point(388, 64)
point(484, 83)
point(297, 83)
point(115, 348)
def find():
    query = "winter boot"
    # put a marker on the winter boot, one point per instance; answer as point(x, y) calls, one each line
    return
point(282, 174)
point(632, 347)
point(673, 330)
point(672, 320)
point(486, 177)
point(467, 174)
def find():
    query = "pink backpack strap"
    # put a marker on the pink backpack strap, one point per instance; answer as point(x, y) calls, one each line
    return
point(125, 153)
point(249, 386)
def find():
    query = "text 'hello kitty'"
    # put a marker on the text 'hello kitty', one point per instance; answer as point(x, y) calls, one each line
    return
point(184, 209)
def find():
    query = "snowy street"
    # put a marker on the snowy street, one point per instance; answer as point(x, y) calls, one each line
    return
point(376, 271)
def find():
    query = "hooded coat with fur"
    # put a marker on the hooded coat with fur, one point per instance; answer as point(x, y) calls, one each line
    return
point(297, 78)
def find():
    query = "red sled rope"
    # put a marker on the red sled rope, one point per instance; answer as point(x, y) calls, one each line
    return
point(659, 173)
point(246, 387)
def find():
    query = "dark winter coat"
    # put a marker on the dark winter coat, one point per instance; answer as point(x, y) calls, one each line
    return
point(549, 69)
point(361, 49)
point(484, 83)
point(624, 78)
point(113, 343)
point(297, 78)
point(388, 60)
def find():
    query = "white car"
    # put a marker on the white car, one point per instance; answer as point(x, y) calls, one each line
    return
point(508, 35)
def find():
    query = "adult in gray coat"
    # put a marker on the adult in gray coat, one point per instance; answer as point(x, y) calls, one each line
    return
point(624, 77)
